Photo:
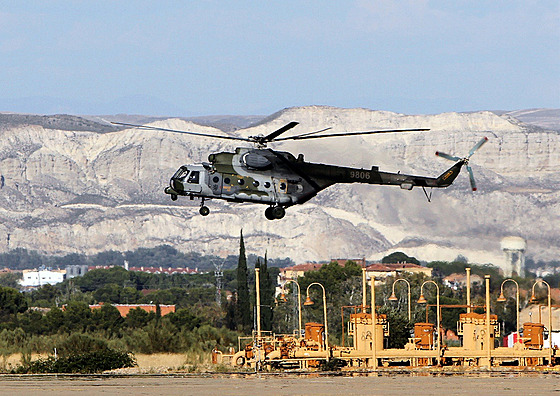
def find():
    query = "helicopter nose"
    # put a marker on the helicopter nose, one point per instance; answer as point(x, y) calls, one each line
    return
point(177, 185)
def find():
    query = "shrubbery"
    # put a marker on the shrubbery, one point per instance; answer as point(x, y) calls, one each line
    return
point(85, 363)
point(80, 353)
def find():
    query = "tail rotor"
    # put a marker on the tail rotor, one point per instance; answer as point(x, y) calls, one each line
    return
point(465, 160)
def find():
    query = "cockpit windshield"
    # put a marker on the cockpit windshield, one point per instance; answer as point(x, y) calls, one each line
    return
point(181, 174)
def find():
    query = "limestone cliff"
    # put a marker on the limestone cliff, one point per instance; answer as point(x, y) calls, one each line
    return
point(65, 190)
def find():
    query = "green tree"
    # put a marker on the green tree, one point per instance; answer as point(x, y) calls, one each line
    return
point(54, 320)
point(399, 257)
point(109, 257)
point(11, 303)
point(244, 320)
point(137, 318)
point(110, 293)
point(231, 308)
point(77, 316)
point(399, 326)
point(267, 290)
point(107, 318)
point(33, 322)
point(184, 319)
point(10, 279)
point(45, 296)
point(343, 288)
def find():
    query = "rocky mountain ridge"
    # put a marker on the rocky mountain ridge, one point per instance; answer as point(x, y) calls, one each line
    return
point(68, 191)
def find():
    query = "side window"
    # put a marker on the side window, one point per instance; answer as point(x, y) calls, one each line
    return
point(194, 177)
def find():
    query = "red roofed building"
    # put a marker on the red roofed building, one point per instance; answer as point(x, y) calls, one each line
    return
point(151, 270)
point(342, 262)
point(161, 270)
point(298, 270)
point(294, 272)
point(381, 271)
point(124, 309)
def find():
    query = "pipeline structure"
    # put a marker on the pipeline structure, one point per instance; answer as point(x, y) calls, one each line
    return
point(479, 331)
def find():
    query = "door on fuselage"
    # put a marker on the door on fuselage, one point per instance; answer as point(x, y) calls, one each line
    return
point(215, 182)
point(193, 181)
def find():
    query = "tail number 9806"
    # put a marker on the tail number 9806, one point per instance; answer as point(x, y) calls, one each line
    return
point(360, 175)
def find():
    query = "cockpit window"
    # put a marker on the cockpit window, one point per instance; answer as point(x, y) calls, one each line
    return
point(194, 177)
point(181, 174)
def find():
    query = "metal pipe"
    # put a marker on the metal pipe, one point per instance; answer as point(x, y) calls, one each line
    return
point(489, 353)
point(258, 288)
point(373, 324)
point(364, 290)
point(468, 289)
point(549, 315)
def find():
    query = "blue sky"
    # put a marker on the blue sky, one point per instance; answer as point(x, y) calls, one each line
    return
point(191, 58)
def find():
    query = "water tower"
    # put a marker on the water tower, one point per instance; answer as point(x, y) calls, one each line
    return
point(514, 250)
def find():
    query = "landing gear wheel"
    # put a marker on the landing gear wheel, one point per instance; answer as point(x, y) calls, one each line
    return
point(204, 211)
point(268, 213)
point(173, 197)
point(278, 212)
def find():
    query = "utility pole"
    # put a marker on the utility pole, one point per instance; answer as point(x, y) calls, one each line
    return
point(219, 276)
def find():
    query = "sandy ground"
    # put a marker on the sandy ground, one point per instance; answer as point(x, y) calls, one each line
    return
point(402, 384)
point(153, 363)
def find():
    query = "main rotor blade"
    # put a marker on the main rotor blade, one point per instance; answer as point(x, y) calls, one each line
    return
point(306, 135)
point(447, 156)
point(278, 132)
point(313, 133)
point(477, 146)
point(186, 132)
point(471, 177)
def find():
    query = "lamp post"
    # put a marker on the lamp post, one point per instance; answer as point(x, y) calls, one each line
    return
point(532, 300)
point(422, 300)
point(308, 301)
point(503, 299)
point(283, 298)
point(394, 297)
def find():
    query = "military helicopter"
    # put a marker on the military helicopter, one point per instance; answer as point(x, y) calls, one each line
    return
point(278, 179)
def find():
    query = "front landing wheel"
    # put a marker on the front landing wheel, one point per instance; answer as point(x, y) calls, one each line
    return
point(278, 212)
point(268, 213)
point(274, 212)
point(204, 211)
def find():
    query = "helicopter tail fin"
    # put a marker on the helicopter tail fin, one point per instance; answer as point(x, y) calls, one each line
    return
point(449, 176)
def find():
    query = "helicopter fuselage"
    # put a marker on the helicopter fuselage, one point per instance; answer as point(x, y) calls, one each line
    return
point(279, 179)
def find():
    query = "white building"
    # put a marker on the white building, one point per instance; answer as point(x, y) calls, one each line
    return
point(37, 278)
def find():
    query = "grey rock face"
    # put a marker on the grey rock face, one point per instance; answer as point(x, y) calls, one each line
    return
point(69, 189)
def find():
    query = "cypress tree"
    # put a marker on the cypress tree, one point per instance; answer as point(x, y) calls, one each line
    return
point(243, 304)
point(267, 296)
